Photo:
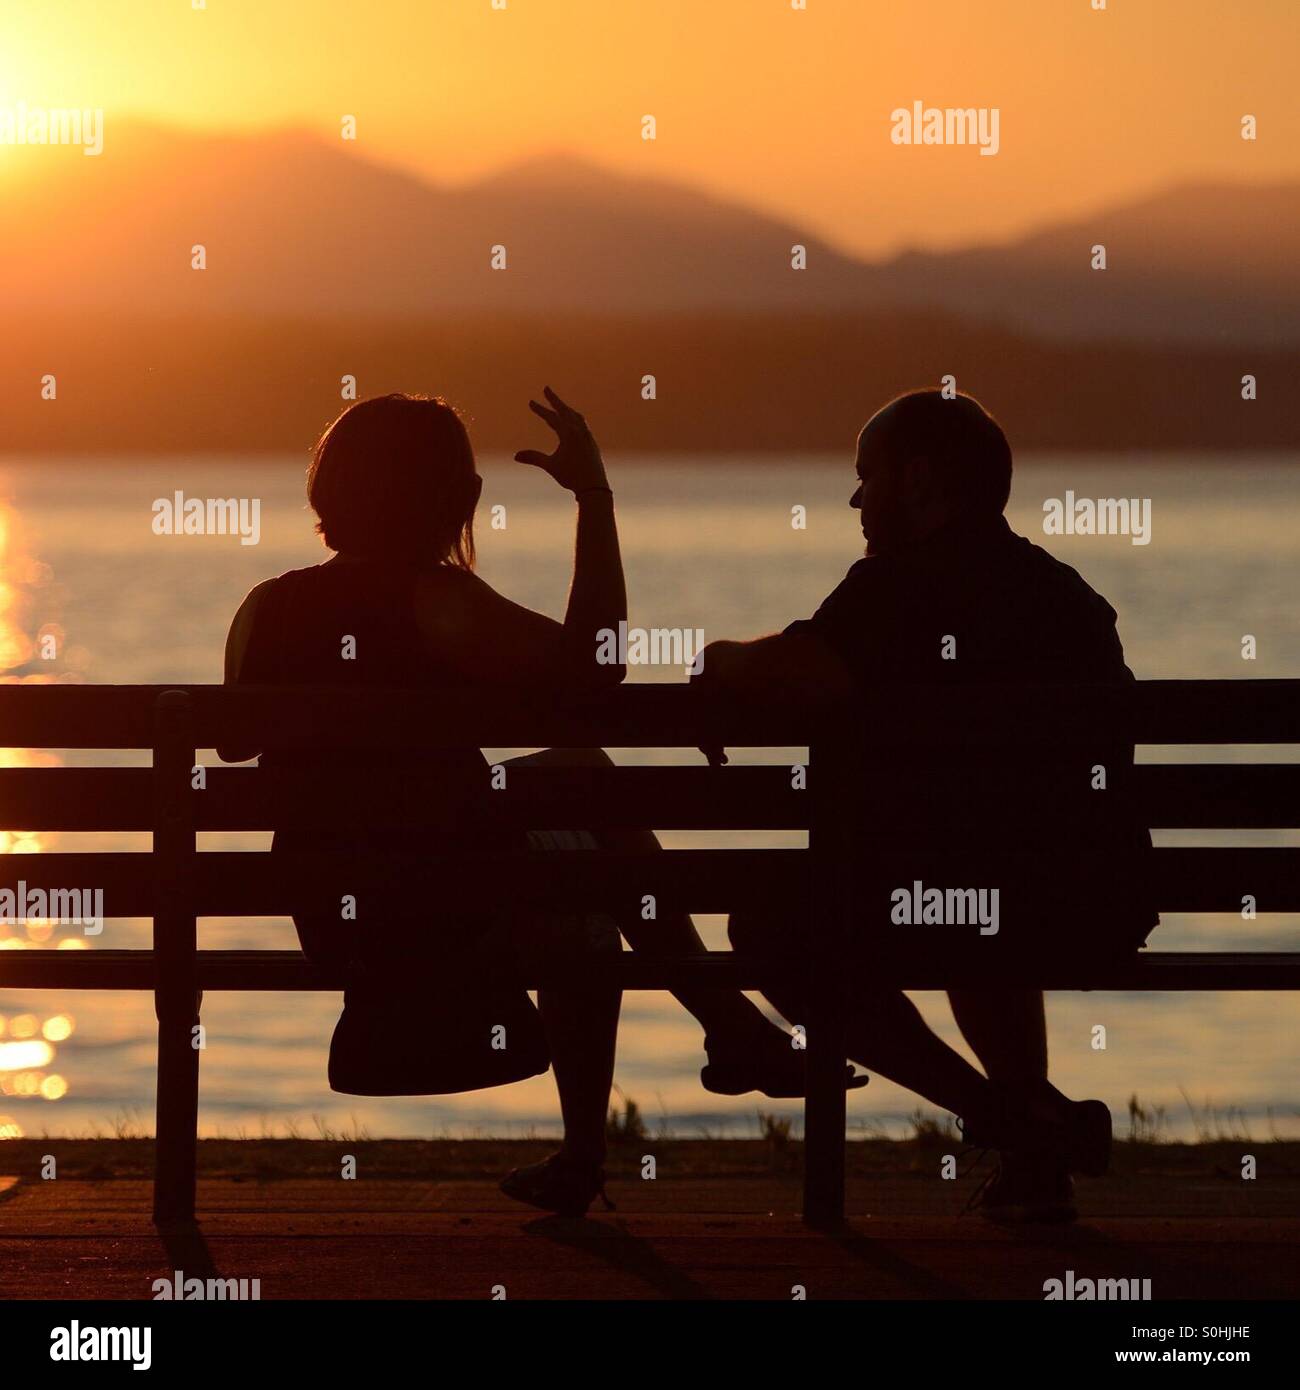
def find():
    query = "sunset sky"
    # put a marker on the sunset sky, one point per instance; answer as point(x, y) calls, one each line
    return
point(787, 110)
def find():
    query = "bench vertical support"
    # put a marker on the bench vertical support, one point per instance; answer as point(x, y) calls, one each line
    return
point(824, 1110)
point(176, 994)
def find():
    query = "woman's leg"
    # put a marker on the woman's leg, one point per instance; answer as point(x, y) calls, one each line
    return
point(746, 1052)
point(581, 1024)
point(580, 1019)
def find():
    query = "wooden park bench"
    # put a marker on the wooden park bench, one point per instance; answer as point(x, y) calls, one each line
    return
point(174, 884)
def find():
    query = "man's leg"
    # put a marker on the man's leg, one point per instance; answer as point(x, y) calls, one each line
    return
point(1015, 1110)
point(886, 1034)
point(745, 1051)
point(1006, 1029)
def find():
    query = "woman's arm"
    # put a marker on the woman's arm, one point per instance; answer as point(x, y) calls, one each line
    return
point(241, 628)
point(484, 636)
point(598, 595)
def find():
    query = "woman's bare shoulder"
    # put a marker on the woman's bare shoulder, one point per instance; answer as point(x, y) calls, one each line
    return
point(449, 598)
point(253, 597)
point(241, 627)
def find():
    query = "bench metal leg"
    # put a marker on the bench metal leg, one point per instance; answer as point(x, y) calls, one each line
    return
point(176, 1145)
point(833, 852)
point(824, 1116)
point(175, 944)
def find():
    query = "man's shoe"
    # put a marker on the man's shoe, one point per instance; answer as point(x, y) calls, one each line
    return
point(1038, 1121)
point(1024, 1191)
point(765, 1062)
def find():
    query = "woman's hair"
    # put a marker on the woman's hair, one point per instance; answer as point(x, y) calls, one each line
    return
point(393, 476)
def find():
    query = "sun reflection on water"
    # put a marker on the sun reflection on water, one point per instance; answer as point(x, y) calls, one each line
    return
point(27, 1050)
point(32, 651)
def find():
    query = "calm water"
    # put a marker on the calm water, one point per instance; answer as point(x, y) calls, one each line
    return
point(708, 544)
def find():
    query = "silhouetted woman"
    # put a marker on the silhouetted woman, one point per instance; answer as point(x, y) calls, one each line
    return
point(394, 485)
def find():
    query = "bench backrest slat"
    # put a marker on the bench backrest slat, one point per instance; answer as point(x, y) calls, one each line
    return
point(85, 716)
point(234, 883)
point(1173, 795)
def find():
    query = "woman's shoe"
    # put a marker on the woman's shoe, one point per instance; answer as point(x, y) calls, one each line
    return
point(561, 1184)
point(762, 1061)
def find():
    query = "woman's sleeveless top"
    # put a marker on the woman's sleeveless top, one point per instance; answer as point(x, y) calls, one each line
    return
point(353, 624)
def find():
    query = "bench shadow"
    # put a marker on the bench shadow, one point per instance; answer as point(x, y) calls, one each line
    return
point(187, 1249)
point(1059, 1241)
point(1157, 1265)
point(872, 1252)
point(613, 1243)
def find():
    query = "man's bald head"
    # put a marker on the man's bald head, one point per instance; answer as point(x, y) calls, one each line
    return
point(926, 459)
point(959, 438)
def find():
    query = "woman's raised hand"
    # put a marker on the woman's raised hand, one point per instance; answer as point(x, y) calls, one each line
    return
point(575, 463)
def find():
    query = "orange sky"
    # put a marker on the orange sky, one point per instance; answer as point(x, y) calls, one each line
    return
point(788, 110)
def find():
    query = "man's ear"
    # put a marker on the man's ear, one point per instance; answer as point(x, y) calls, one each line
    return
point(916, 486)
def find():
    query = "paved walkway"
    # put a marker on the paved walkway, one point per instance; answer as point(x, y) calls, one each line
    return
point(696, 1237)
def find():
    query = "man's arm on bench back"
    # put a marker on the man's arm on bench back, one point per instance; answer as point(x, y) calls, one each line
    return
point(790, 668)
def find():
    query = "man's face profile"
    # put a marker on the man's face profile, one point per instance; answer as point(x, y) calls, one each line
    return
point(877, 495)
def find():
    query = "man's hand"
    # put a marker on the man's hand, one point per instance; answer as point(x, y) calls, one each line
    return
point(786, 669)
point(712, 665)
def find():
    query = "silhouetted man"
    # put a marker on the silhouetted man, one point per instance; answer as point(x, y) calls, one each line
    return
point(949, 594)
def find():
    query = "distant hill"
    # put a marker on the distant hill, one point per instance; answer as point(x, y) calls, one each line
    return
point(1201, 263)
point(292, 225)
point(299, 227)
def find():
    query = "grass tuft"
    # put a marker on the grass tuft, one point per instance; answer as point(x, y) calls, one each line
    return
point(627, 1127)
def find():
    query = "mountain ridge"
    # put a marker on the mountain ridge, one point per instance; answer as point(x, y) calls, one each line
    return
point(293, 225)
